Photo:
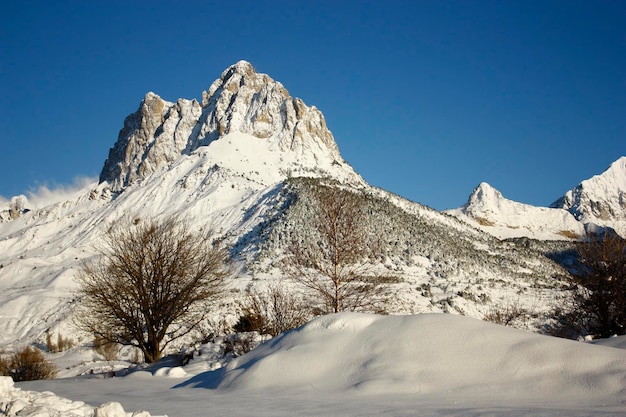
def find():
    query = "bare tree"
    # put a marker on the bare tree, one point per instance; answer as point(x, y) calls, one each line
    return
point(601, 305)
point(154, 283)
point(337, 260)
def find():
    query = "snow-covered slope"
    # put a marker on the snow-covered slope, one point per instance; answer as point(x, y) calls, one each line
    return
point(488, 210)
point(601, 199)
point(241, 163)
point(426, 354)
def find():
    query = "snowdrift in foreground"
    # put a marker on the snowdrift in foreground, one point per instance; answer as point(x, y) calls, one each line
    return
point(366, 365)
point(428, 353)
point(16, 402)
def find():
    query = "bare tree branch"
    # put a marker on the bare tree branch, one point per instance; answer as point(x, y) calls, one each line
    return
point(602, 277)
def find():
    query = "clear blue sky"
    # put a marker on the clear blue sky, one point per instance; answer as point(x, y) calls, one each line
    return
point(425, 98)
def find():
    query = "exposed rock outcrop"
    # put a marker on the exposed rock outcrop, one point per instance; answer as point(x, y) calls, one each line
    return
point(241, 100)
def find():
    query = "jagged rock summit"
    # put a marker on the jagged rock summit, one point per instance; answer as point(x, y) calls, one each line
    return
point(600, 200)
point(241, 101)
point(487, 209)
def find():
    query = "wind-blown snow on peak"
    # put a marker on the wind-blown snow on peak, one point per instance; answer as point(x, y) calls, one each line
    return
point(241, 101)
point(601, 199)
point(489, 210)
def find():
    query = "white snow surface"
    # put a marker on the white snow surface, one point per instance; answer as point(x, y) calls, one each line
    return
point(353, 364)
point(17, 402)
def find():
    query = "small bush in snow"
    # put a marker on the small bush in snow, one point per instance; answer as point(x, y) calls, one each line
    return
point(28, 364)
point(240, 343)
point(271, 311)
point(507, 315)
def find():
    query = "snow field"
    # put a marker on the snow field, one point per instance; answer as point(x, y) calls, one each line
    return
point(17, 402)
point(353, 364)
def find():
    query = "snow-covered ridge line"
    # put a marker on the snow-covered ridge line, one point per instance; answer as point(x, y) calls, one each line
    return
point(600, 200)
point(488, 210)
point(589, 208)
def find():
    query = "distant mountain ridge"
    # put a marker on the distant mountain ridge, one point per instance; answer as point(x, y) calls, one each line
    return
point(588, 208)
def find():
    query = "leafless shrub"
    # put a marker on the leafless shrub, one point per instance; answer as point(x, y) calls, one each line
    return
point(271, 311)
point(62, 343)
point(105, 347)
point(238, 344)
point(29, 364)
point(507, 315)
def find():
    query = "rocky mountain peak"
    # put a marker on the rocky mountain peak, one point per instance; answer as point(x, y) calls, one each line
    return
point(601, 199)
point(239, 101)
point(484, 195)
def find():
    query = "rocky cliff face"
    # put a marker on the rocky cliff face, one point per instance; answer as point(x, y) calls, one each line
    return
point(240, 101)
point(600, 200)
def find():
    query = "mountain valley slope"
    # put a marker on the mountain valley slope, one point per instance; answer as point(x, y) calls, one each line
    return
point(243, 163)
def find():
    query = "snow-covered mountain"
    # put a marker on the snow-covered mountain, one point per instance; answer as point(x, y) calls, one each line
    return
point(242, 106)
point(243, 163)
point(588, 208)
point(488, 210)
point(601, 199)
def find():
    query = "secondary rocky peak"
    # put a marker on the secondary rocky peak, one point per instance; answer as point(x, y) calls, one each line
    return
point(489, 210)
point(601, 199)
point(484, 190)
point(482, 196)
point(239, 101)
